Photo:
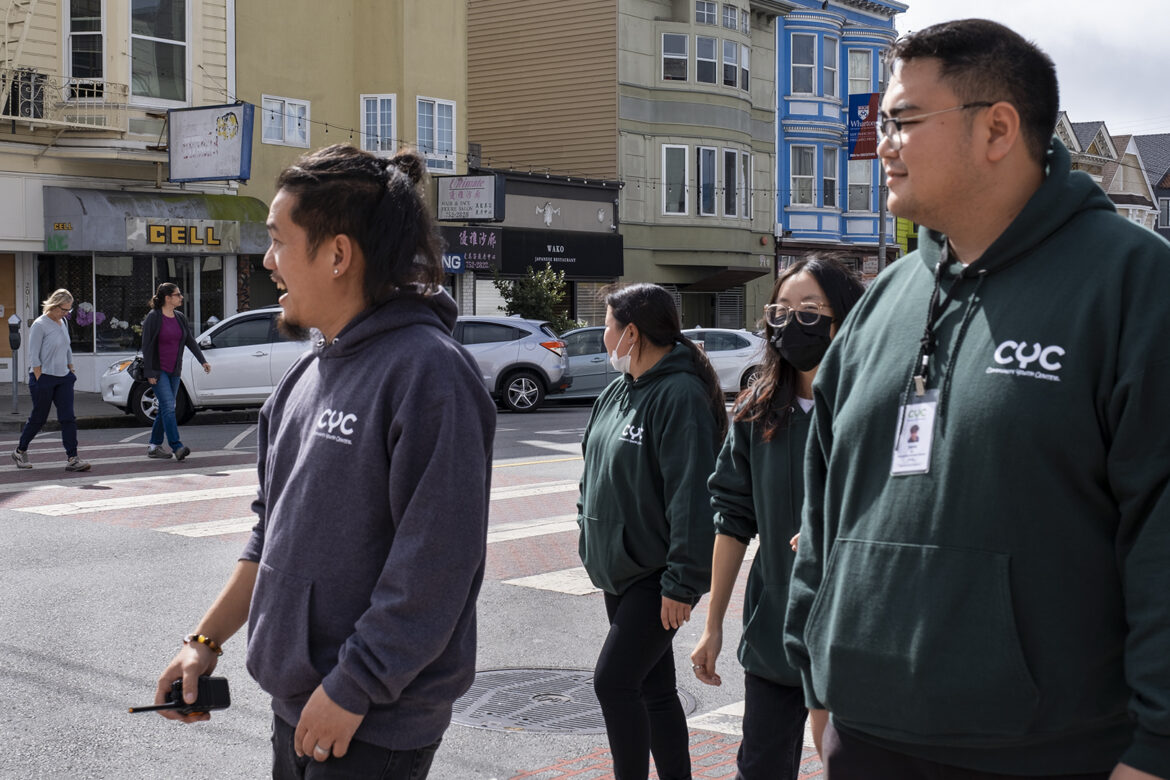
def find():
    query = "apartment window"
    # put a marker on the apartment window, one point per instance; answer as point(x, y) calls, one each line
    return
point(1164, 212)
point(436, 133)
point(829, 177)
point(86, 52)
point(674, 179)
point(804, 63)
point(830, 70)
point(745, 22)
point(378, 124)
point(730, 182)
point(745, 185)
point(883, 71)
point(730, 63)
point(803, 175)
point(674, 57)
point(745, 57)
point(860, 185)
point(860, 71)
point(706, 12)
point(705, 159)
point(706, 60)
point(158, 50)
point(285, 121)
point(730, 17)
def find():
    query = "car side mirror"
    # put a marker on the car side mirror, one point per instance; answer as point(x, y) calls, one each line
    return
point(205, 343)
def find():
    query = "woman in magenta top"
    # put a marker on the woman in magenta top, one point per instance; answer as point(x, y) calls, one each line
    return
point(165, 332)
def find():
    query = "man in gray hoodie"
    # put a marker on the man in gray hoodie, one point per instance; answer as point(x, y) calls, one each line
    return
point(359, 582)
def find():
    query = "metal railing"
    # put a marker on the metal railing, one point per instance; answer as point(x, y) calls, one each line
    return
point(42, 100)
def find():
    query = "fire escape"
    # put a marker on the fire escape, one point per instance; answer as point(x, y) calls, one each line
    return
point(37, 99)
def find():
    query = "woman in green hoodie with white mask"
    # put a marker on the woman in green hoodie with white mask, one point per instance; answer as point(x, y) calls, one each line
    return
point(757, 489)
point(645, 520)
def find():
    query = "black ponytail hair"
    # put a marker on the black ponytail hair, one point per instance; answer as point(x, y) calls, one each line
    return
point(652, 309)
point(160, 295)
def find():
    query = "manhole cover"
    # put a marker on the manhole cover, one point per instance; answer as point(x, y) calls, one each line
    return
point(558, 701)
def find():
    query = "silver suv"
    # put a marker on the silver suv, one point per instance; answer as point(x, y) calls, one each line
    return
point(521, 361)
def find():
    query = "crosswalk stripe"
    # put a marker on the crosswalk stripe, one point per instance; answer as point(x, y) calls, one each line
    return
point(725, 720)
point(232, 525)
point(135, 502)
point(105, 481)
point(536, 489)
point(231, 445)
point(524, 529)
point(574, 582)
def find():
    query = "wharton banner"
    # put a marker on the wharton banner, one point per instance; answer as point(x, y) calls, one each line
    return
point(863, 119)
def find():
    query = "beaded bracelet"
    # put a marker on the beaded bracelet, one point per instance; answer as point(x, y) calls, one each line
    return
point(212, 645)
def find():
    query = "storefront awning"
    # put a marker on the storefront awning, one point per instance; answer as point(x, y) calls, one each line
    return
point(81, 220)
point(726, 278)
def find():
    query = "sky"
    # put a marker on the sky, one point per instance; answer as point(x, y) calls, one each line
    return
point(1112, 58)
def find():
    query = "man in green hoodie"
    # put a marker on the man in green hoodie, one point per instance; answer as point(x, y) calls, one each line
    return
point(992, 598)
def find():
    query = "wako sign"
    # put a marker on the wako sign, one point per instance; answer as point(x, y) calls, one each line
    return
point(863, 119)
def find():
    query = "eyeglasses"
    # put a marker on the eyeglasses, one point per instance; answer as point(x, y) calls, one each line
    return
point(67, 311)
point(890, 127)
point(808, 313)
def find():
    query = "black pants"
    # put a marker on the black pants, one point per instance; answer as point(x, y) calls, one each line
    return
point(773, 730)
point(635, 686)
point(361, 761)
point(848, 758)
point(46, 392)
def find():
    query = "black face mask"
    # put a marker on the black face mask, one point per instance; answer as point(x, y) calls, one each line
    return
point(803, 345)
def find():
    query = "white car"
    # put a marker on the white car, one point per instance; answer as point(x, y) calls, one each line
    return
point(248, 356)
point(735, 355)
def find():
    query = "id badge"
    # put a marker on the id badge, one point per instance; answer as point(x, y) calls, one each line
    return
point(915, 435)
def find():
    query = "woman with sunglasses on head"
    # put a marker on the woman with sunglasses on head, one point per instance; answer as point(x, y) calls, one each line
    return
point(51, 379)
point(165, 332)
point(758, 489)
point(645, 521)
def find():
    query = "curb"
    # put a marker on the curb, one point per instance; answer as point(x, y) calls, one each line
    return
point(16, 423)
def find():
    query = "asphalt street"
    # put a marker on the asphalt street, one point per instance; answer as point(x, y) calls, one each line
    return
point(102, 574)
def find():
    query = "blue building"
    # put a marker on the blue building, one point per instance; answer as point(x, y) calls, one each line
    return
point(826, 51)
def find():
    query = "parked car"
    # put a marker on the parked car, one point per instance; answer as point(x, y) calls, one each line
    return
point(521, 361)
point(248, 356)
point(588, 362)
point(735, 355)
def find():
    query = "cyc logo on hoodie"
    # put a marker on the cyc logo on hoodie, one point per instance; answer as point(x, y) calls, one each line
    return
point(332, 420)
point(632, 435)
point(1024, 355)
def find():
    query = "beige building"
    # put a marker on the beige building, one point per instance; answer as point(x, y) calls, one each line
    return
point(673, 100)
point(377, 74)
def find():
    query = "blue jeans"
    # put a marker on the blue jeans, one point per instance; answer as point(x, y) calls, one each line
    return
point(49, 391)
point(362, 761)
point(165, 390)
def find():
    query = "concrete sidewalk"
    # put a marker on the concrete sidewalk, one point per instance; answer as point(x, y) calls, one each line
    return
point(93, 412)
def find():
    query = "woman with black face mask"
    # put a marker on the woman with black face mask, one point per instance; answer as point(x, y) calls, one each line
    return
point(758, 489)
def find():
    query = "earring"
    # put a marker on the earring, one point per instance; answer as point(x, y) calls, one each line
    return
point(335, 272)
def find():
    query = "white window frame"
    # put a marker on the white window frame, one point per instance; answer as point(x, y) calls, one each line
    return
point(745, 21)
point(731, 14)
point(868, 71)
point(433, 142)
point(867, 184)
point(830, 156)
point(731, 188)
point(794, 196)
point(686, 178)
point(374, 139)
point(710, 10)
point(142, 100)
point(713, 152)
point(745, 185)
point(67, 30)
point(831, 45)
point(810, 66)
point(733, 63)
point(286, 117)
point(714, 59)
point(883, 70)
point(1164, 212)
point(745, 59)
point(685, 57)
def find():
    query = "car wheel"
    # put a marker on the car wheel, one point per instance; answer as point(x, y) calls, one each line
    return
point(522, 392)
point(144, 406)
point(750, 376)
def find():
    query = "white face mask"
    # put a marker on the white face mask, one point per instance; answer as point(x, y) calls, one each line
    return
point(621, 364)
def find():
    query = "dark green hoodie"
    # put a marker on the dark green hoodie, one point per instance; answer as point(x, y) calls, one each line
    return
point(649, 446)
point(758, 488)
point(1009, 611)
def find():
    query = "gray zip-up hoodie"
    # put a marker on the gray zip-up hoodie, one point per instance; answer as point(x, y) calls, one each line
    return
point(375, 468)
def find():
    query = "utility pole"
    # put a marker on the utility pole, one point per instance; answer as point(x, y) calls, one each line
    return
point(881, 223)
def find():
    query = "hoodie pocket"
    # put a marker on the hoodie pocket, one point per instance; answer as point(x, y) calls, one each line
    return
point(278, 635)
point(919, 640)
point(602, 547)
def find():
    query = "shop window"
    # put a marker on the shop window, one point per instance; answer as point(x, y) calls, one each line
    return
point(706, 64)
point(706, 12)
point(436, 133)
point(378, 123)
point(285, 121)
point(123, 292)
point(674, 57)
point(674, 179)
point(158, 50)
point(254, 286)
point(75, 274)
point(803, 175)
point(210, 293)
point(804, 63)
point(181, 271)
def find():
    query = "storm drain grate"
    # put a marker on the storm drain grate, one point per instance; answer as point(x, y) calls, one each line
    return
point(545, 701)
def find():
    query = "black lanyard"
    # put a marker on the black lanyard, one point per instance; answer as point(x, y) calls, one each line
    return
point(933, 311)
